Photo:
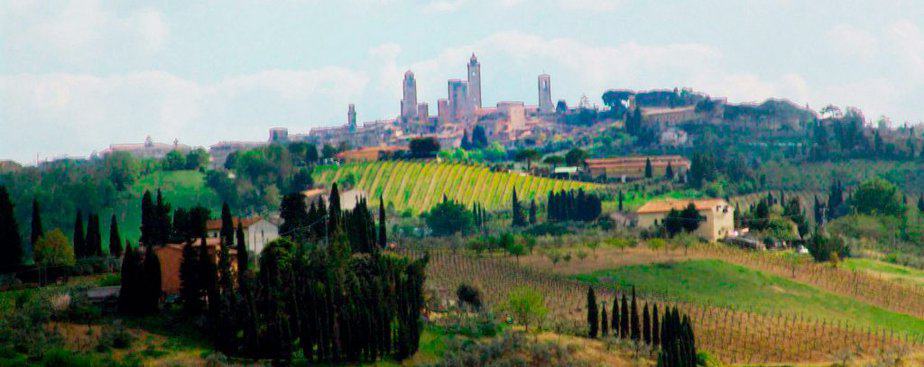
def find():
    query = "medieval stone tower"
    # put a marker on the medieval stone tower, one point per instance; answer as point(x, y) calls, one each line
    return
point(474, 82)
point(545, 93)
point(409, 101)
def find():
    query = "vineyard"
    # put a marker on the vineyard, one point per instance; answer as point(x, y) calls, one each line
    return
point(419, 185)
point(734, 335)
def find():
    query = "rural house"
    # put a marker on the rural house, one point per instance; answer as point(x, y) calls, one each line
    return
point(718, 216)
point(257, 232)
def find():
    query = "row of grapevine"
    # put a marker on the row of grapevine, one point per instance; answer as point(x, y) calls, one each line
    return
point(733, 335)
point(419, 185)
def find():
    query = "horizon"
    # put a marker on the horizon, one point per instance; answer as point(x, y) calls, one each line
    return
point(204, 75)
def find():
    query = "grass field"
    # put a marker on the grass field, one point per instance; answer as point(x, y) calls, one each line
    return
point(886, 270)
point(420, 185)
point(718, 283)
point(182, 189)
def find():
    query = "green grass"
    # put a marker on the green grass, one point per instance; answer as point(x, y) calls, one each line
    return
point(718, 283)
point(886, 270)
point(181, 189)
point(420, 185)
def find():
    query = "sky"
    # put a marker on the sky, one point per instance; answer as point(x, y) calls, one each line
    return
point(76, 76)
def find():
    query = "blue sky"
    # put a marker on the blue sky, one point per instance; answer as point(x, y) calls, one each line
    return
point(77, 76)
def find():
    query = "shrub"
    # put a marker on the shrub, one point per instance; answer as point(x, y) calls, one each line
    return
point(469, 295)
point(115, 335)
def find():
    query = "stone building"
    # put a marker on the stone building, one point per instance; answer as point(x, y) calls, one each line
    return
point(474, 82)
point(409, 99)
point(718, 216)
point(545, 94)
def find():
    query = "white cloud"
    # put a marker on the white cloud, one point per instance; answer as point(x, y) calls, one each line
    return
point(57, 114)
point(591, 5)
point(443, 6)
point(853, 42)
point(78, 32)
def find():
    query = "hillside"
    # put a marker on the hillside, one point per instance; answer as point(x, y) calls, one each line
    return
point(418, 186)
point(181, 189)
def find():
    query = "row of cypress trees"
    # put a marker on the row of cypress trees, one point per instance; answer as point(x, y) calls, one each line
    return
point(673, 333)
point(573, 205)
point(89, 242)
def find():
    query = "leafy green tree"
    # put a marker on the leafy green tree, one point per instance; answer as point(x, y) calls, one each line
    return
point(825, 248)
point(528, 155)
point(479, 137)
point(53, 249)
point(469, 295)
point(424, 147)
point(173, 161)
point(196, 159)
point(877, 197)
point(449, 217)
point(121, 168)
point(576, 157)
point(527, 306)
point(592, 314)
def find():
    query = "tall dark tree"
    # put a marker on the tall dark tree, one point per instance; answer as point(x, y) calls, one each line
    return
point(614, 320)
point(243, 255)
point(151, 287)
point(115, 238)
point(646, 325)
point(655, 326)
point(604, 322)
point(191, 293)
point(624, 318)
point(131, 290)
point(622, 197)
point(648, 169)
point(163, 227)
point(37, 229)
point(295, 218)
point(94, 240)
point(80, 248)
point(519, 219)
point(11, 249)
point(532, 212)
point(383, 237)
point(669, 171)
point(635, 331)
point(921, 203)
point(333, 210)
point(148, 220)
point(592, 314)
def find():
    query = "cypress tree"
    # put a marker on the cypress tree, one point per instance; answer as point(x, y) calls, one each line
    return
point(115, 239)
point(208, 277)
point(333, 208)
point(152, 281)
point(37, 229)
point(148, 227)
point(655, 327)
point(532, 211)
point(243, 256)
point(648, 170)
point(93, 242)
point(517, 211)
point(592, 314)
point(921, 203)
point(604, 323)
point(624, 318)
point(669, 171)
point(190, 286)
point(646, 325)
point(615, 319)
point(636, 332)
point(383, 237)
point(80, 248)
point(11, 249)
point(130, 290)
point(621, 198)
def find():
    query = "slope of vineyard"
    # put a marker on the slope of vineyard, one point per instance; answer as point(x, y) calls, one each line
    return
point(420, 185)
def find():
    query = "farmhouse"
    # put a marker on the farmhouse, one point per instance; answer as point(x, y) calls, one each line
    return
point(369, 154)
point(719, 216)
point(634, 167)
point(171, 256)
point(257, 231)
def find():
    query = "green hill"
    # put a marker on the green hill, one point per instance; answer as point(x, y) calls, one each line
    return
point(181, 189)
point(718, 283)
point(420, 185)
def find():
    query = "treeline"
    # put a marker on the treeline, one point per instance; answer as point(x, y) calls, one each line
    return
point(671, 333)
point(573, 206)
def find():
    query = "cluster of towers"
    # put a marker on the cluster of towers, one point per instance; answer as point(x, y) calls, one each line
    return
point(464, 97)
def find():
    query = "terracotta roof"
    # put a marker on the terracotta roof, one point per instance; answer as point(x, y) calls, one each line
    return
point(664, 206)
point(215, 224)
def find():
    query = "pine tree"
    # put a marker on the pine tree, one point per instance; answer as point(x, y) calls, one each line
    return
point(604, 322)
point(636, 332)
point(80, 248)
point(11, 247)
point(592, 314)
point(383, 237)
point(532, 212)
point(648, 169)
point(115, 239)
point(646, 325)
point(37, 229)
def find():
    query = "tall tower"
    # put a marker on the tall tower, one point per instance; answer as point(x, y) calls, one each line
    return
point(351, 118)
point(545, 93)
point(409, 100)
point(459, 99)
point(474, 81)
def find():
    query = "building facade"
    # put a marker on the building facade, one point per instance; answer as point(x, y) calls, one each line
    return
point(718, 216)
point(634, 167)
